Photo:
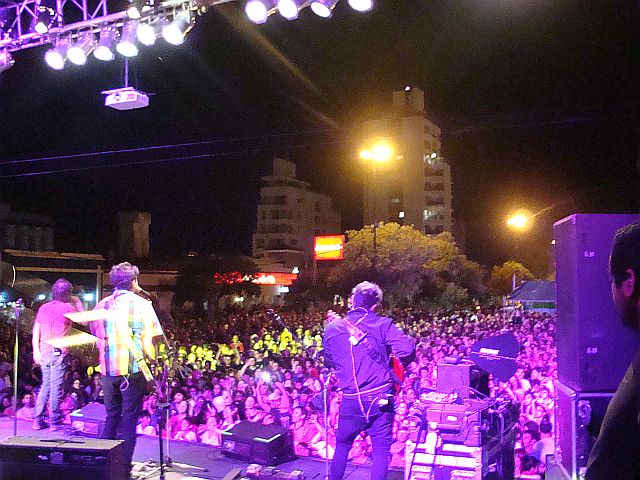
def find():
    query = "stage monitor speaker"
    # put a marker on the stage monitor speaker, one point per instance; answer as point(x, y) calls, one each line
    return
point(89, 420)
point(594, 348)
point(257, 443)
point(24, 458)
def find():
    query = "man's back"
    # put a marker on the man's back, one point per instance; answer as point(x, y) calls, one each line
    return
point(370, 371)
point(53, 323)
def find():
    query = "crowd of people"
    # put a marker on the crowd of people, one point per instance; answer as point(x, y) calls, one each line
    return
point(249, 365)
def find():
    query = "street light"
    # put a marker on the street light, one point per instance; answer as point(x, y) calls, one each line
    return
point(519, 221)
point(379, 152)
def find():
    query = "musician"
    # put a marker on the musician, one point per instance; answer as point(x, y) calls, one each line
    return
point(358, 346)
point(616, 453)
point(51, 325)
point(130, 317)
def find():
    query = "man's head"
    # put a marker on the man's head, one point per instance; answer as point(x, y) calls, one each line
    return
point(123, 276)
point(62, 290)
point(366, 295)
point(624, 264)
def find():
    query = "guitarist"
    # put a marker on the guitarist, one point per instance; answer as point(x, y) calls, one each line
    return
point(358, 347)
point(127, 331)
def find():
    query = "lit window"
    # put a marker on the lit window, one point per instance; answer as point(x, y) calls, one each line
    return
point(401, 215)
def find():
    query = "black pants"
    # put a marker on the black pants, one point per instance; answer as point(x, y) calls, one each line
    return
point(378, 425)
point(124, 407)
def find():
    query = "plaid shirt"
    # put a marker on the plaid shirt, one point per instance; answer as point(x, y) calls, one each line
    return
point(126, 314)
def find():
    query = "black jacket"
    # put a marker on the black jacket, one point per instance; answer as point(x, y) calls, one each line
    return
point(383, 336)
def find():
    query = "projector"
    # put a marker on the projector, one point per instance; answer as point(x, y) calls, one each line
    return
point(126, 98)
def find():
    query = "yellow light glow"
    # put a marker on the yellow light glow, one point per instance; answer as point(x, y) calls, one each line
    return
point(382, 152)
point(518, 221)
point(365, 154)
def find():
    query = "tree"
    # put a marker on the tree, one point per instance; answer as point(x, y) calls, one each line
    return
point(502, 277)
point(409, 265)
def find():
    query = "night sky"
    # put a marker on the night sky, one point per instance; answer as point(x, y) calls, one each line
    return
point(538, 102)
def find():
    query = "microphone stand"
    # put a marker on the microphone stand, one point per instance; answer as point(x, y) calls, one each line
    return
point(17, 311)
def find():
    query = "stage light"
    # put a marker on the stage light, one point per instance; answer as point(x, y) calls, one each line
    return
point(56, 57)
point(6, 60)
point(45, 18)
point(88, 297)
point(174, 32)
point(80, 50)
point(259, 10)
point(323, 8)
point(137, 8)
point(289, 8)
point(106, 44)
point(361, 5)
point(148, 33)
point(127, 45)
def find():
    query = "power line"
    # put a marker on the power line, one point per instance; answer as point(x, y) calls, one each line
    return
point(159, 160)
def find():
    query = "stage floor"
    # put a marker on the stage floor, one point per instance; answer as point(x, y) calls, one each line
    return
point(210, 462)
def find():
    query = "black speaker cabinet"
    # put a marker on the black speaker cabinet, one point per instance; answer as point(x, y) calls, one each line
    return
point(579, 418)
point(24, 458)
point(454, 378)
point(89, 420)
point(594, 348)
point(256, 443)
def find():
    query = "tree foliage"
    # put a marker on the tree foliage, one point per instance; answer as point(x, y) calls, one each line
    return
point(501, 281)
point(409, 265)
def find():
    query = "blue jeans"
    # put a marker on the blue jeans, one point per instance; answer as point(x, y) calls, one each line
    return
point(123, 405)
point(351, 422)
point(53, 368)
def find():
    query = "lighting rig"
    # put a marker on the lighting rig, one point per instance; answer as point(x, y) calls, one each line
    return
point(77, 28)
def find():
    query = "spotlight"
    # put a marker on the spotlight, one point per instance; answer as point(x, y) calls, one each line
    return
point(289, 8)
point(361, 5)
point(323, 8)
point(80, 50)
point(258, 10)
point(56, 57)
point(137, 8)
point(148, 33)
point(6, 60)
point(174, 32)
point(45, 19)
point(106, 44)
point(127, 45)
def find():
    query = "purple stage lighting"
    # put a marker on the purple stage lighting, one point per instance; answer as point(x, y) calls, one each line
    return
point(106, 44)
point(56, 57)
point(289, 8)
point(323, 8)
point(259, 10)
point(80, 50)
point(361, 5)
point(6, 60)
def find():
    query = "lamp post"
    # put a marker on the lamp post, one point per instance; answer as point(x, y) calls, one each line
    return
point(379, 152)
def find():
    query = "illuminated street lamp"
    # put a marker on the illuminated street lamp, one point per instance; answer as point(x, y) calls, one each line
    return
point(379, 152)
point(519, 221)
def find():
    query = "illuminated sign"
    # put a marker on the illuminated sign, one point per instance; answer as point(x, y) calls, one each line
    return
point(275, 278)
point(328, 247)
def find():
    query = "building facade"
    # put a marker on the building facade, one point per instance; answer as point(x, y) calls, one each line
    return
point(414, 186)
point(25, 231)
point(289, 215)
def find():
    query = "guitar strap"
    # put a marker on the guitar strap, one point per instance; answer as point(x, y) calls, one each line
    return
point(357, 336)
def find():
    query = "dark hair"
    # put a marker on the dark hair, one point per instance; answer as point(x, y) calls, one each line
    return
point(545, 426)
point(122, 274)
point(528, 462)
point(366, 294)
point(61, 290)
point(535, 434)
point(625, 255)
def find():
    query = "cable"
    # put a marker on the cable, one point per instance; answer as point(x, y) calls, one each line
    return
point(159, 147)
point(150, 162)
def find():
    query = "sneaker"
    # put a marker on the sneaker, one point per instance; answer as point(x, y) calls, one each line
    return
point(57, 426)
point(40, 425)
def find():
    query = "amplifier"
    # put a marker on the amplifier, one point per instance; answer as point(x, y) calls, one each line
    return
point(263, 444)
point(24, 458)
point(89, 419)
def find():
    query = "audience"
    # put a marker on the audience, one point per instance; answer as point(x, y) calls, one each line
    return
point(242, 365)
